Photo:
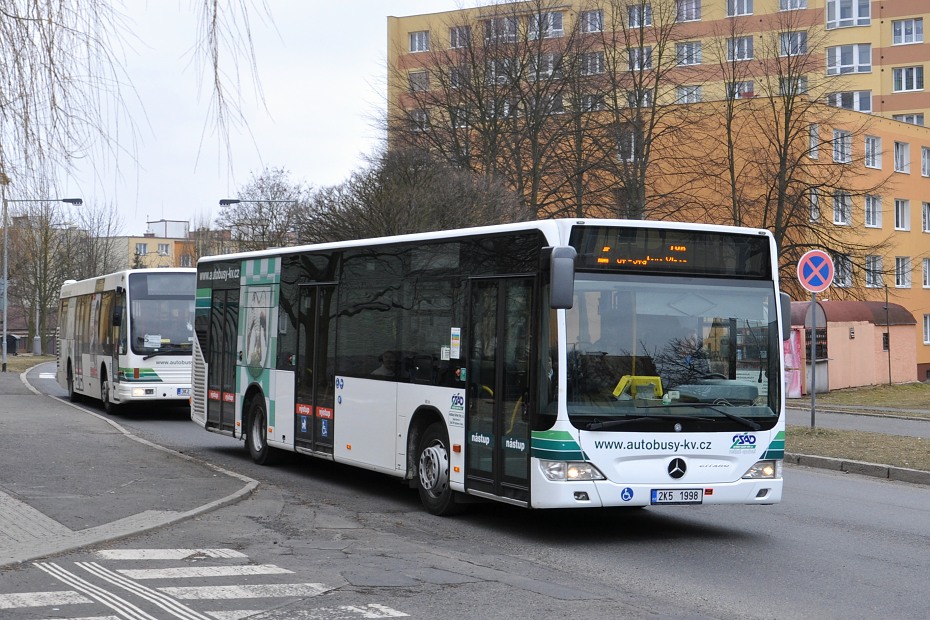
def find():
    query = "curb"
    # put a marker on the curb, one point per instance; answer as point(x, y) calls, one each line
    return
point(142, 522)
point(888, 472)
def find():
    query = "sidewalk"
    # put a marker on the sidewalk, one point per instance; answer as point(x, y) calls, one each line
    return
point(70, 478)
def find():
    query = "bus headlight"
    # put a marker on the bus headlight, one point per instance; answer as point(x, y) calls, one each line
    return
point(570, 470)
point(764, 470)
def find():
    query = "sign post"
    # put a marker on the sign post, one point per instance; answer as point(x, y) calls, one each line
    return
point(815, 272)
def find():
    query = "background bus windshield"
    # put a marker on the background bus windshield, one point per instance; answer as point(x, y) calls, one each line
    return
point(686, 346)
point(162, 312)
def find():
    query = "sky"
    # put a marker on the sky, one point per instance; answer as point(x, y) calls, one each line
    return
point(322, 68)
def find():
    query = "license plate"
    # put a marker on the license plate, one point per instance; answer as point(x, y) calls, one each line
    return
point(677, 496)
point(184, 391)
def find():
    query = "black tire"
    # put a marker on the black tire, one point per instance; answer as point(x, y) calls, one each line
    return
point(73, 396)
point(256, 439)
point(433, 472)
point(108, 406)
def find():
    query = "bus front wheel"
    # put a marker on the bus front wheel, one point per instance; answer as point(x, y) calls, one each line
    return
point(108, 406)
point(72, 395)
point(257, 438)
point(433, 472)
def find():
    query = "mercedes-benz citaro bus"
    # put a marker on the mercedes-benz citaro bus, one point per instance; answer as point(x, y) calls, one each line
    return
point(547, 364)
point(127, 337)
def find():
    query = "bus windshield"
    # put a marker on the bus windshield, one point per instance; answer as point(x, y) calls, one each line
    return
point(162, 313)
point(646, 350)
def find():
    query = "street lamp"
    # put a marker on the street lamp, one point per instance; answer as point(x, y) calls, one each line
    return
point(37, 341)
point(225, 202)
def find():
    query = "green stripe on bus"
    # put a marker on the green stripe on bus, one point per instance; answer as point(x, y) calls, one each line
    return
point(556, 445)
point(776, 449)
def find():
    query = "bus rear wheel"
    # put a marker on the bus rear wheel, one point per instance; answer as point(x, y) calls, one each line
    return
point(256, 439)
point(433, 472)
point(72, 395)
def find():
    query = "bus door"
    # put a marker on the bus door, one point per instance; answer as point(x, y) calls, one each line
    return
point(499, 404)
point(315, 366)
point(221, 378)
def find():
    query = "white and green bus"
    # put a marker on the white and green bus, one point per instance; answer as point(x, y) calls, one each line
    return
point(546, 364)
point(127, 337)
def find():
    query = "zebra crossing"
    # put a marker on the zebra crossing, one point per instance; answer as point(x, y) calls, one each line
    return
point(223, 578)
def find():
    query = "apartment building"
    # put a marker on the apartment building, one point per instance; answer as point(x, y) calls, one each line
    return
point(681, 74)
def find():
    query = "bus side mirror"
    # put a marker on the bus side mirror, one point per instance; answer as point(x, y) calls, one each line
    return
point(562, 277)
point(785, 316)
point(117, 316)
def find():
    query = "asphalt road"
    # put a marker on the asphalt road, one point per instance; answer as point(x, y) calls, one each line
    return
point(838, 546)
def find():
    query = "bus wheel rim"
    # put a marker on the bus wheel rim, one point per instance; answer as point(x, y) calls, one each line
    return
point(434, 469)
point(258, 425)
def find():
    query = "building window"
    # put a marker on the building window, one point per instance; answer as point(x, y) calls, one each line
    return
point(873, 211)
point(925, 217)
point(458, 77)
point(142, 248)
point(790, 5)
point(739, 7)
point(163, 249)
point(814, 197)
point(459, 36)
point(902, 214)
point(885, 341)
point(419, 41)
point(739, 48)
point(907, 31)
point(842, 146)
point(902, 271)
point(842, 208)
point(639, 15)
point(793, 43)
point(547, 66)
point(927, 329)
point(926, 262)
point(902, 157)
point(855, 58)
point(813, 148)
point(873, 271)
point(626, 144)
point(639, 98)
point(689, 10)
point(858, 100)
point(546, 25)
point(925, 161)
point(737, 90)
point(592, 21)
point(499, 71)
point(501, 30)
point(419, 81)
point(419, 120)
point(689, 94)
point(906, 79)
point(592, 63)
point(842, 270)
point(592, 103)
point(186, 260)
point(640, 58)
point(873, 152)
point(910, 119)
point(846, 13)
point(792, 86)
point(688, 53)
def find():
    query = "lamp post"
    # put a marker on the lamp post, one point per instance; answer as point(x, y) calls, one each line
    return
point(225, 202)
point(37, 341)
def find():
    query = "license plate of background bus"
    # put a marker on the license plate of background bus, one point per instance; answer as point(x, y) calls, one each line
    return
point(677, 496)
point(184, 391)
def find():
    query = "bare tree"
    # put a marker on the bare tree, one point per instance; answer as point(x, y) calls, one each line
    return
point(408, 191)
point(264, 214)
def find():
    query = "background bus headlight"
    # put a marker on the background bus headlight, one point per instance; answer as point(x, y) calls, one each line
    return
point(570, 470)
point(764, 470)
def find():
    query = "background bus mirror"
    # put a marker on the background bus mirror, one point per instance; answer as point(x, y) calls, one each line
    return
point(785, 316)
point(117, 316)
point(562, 277)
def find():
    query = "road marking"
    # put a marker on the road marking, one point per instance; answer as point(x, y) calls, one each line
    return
point(46, 375)
point(40, 599)
point(118, 604)
point(167, 554)
point(189, 572)
point(190, 593)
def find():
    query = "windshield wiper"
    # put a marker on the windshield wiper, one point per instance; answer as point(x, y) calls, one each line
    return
point(168, 352)
point(595, 426)
point(736, 418)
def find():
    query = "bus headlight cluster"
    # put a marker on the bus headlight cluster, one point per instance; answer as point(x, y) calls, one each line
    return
point(570, 471)
point(764, 470)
